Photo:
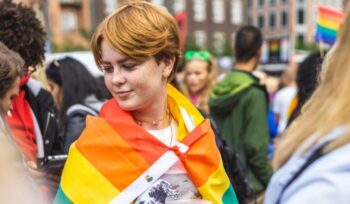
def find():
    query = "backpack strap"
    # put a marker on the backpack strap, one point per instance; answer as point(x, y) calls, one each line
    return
point(316, 155)
point(79, 107)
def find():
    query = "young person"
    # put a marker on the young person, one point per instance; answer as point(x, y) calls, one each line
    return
point(200, 77)
point(239, 106)
point(76, 94)
point(32, 120)
point(149, 142)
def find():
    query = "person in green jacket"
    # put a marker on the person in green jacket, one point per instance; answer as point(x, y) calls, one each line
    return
point(239, 106)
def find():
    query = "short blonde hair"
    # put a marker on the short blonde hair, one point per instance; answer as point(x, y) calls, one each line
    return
point(139, 30)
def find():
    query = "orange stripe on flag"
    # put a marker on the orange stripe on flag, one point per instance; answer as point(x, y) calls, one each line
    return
point(198, 158)
point(109, 153)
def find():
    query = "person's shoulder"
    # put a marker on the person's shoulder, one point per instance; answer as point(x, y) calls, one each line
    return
point(325, 176)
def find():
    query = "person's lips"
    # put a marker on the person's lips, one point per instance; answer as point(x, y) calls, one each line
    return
point(123, 94)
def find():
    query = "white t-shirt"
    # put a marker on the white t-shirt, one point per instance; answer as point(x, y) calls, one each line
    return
point(281, 103)
point(174, 185)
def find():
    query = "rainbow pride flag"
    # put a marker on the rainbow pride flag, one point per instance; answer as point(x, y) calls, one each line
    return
point(113, 153)
point(328, 22)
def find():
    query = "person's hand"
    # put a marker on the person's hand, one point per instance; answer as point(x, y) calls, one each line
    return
point(34, 171)
point(41, 175)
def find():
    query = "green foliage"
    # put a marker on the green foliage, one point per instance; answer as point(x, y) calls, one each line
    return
point(68, 46)
point(87, 34)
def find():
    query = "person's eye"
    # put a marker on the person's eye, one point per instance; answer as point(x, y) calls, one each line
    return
point(13, 97)
point(129, 66)
point(107, 69)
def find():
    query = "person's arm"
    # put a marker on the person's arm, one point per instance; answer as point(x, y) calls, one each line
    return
point(256, 135)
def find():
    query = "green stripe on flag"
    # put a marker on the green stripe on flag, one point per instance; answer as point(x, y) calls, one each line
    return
point(61, 198)
point(326, 31)
point(229, 196)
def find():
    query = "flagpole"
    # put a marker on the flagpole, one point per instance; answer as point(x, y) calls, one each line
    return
point(322, 52)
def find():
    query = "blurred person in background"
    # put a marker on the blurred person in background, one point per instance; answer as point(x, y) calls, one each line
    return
point(199, 78)
point(239, 105)
point(312, 159)
point(14, 177)
point(31, 121)
point(76, 94)
point(149, 141)
point(283, 99)
point(307, 80)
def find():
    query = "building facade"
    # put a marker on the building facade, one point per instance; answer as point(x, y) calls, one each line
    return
point(286, 24)
point(204, 24)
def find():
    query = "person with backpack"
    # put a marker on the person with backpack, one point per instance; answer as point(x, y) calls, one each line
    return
point(312, 158)
point(239, 106)
point(76, 94)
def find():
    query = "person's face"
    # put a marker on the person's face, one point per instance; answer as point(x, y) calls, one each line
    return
point(6, 101)
point(196, 75)
point(135, 85)
point(56, 92)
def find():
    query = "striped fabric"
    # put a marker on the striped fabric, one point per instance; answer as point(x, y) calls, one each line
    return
point(328, 22)
point(113, 151)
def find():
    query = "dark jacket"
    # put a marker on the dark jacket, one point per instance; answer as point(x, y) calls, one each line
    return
point(42, 104)
point(75, 119)
point(239, 106)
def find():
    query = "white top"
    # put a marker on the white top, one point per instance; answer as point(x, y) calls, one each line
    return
point(174, 185)
point(281, 104)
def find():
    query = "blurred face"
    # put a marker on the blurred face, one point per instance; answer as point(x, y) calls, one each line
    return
point(135, 85)
point(196, 75)
point(6, 101)
point(56, 92)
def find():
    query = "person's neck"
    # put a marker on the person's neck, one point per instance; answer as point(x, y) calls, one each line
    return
point(154, 117)
point(246, 66)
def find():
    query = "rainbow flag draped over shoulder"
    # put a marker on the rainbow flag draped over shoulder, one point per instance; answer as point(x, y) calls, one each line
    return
point(114, 156)
point(328, 22)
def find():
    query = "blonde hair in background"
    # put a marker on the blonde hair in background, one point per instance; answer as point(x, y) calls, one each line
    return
point(328, 107)
point(139, 30)
point(205, 93)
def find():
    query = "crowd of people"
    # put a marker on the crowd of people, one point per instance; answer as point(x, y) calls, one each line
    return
point(169, 130)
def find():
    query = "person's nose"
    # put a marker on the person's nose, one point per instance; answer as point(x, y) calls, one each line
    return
point(118, 76)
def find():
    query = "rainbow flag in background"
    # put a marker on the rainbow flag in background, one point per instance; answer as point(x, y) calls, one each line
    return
point(113, 152)
point(328, 22)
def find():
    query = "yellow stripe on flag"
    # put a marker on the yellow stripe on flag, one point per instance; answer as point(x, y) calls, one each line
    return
point(78, 178)
point(328, 23)
point(216, 185)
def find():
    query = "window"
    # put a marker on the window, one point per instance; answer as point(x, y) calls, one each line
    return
point(301, 15)
point(261, 21)
point(272, 20)
point(284, 19)
point(179, 5)
point(250, 20)
point(69, 21)
point(284, 1)
point(249, 3)
point(261, 3)
point(219, 42)
point(236, 12)
point(110, 6)
point(158, 2)
point(272, 2)
point(200, 39)
point(218, 11)
point(199, 9)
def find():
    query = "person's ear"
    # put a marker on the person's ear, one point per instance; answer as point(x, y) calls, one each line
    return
point(259, 53)
point(168, 66)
